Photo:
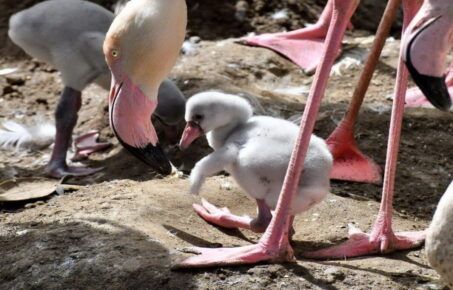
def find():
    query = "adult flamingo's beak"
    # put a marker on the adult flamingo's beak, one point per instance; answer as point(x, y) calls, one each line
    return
point(130, 113)
point(433, 87)
point(191, 132)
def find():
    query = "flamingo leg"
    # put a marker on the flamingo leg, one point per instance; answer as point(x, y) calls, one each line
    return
point(65, 119)
point(274, 244)
point(349, 162)
point(382, 238)
point(303, 46)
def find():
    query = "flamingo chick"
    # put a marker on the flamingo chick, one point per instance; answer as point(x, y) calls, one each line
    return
point(256, 151)
point(439, 238)
point(52, 31)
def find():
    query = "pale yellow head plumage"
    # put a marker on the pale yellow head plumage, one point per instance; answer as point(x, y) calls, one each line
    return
point(145, 39)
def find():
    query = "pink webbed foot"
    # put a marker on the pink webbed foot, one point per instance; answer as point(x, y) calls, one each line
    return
point(61, 170)
point(220, 216)
point(303, 46)
point(362, 244)
point(252, 254)
point(87, 144)
point(303, 49)
point(349, 162)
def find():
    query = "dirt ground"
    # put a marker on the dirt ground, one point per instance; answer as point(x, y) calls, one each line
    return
point(124, 228)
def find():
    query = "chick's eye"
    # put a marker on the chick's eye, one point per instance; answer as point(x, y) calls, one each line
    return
point(198, 117)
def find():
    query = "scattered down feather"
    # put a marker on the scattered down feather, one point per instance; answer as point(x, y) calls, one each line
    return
point(14, 135)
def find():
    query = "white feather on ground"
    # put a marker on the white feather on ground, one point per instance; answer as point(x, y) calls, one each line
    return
point(351, 59)
point(280, 14)
point(18, 136)
point(8, 70)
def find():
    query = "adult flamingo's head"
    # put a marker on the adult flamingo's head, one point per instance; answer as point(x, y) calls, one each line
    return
point(141, 47)
point(426, 44)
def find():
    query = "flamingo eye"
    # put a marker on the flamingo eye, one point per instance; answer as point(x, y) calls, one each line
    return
point(115, 53)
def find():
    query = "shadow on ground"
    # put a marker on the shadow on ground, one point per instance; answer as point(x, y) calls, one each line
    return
point(84, 254)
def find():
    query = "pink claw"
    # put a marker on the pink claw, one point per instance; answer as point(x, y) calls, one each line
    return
point(252, 254)
point(221, 217)
point(87, 144)
point(59, 171)
point(362, 244)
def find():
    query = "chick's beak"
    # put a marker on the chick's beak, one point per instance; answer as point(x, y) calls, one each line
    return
point(191, 132)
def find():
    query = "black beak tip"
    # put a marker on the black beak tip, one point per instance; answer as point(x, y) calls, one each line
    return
point(434, 89)
point(154, 156)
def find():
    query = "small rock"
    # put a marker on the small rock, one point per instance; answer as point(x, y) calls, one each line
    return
point(241, 10)
point(17, 81)
point(30, 205)
point(7, 90)
point(195, 39)
point(106, 206)
point(42, 101)
point(226, 185)
point(49, 69)
point(14, 95)
point(334, 274)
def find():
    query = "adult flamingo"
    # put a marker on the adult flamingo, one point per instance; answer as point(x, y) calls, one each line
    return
point(428, 41)
point(141, 47)
point(75, 49)
point(69, 45)
point(274, 244)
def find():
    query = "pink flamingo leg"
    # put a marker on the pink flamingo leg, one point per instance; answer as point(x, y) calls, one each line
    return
point(87, 144)
point(349, 162)
point(382, 239)
point(274, 244)
point(304, 46)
